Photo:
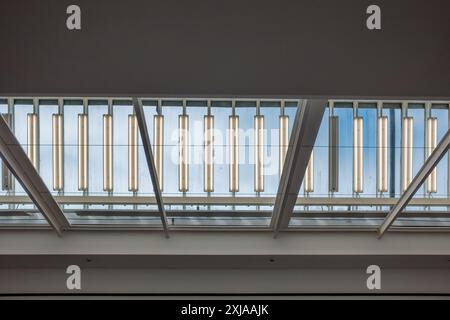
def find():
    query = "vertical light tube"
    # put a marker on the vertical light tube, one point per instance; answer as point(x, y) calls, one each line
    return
point(358, 154)
point(32, 138)
point(407, 151)
point(158, 145)
point(82, 152)
point(132, 153)
point(309, 174)
point(333, 154)
point(183, 153)
point(234, 153)
point(431, 145)
point(208, 174)
point(382, 155)
point(7, 182)
point(259, 153)
point(107, 152)
point(58, 141)
point(283, 141)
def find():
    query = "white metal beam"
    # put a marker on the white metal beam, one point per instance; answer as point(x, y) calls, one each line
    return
point(139, 111)
point(142, 242)
point(434, 158)
point(306, 126)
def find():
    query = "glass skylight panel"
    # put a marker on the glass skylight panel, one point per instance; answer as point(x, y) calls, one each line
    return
point(16, 208)
point(397, 137)
point(219, 162)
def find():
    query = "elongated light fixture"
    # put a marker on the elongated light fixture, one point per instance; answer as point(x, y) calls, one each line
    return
point(158, 145)
point(407, 151)
point(382, 154)
point(208, 174)
point(309, 174)
point(82, 152)
point(259, 153)
point(183, 153)
point(234, 153)
point(358, 148)
point(431, 145)
point(32, 138)
point(107, 152)
point(283, 141)
point(7, 181)
point(58, 145)
point(132, 153)
point(333, 154)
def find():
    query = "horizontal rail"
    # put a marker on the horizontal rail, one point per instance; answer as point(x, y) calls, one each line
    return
point(221, 99)
point(226, 200)
point(256, 214)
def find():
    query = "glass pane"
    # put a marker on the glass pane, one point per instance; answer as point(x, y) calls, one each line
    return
point(367, 209)
point(108, 198)
point(16, 207)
